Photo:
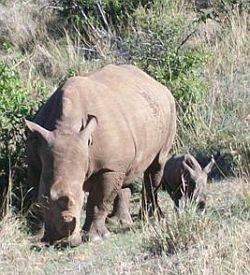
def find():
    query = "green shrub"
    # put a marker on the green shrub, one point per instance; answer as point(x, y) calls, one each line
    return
point(150, 34)
point(90, 15)
point(16, 103)
point(159, 47)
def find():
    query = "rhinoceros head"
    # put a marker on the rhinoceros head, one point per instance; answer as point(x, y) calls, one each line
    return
point(64, 158)
point(198, 179)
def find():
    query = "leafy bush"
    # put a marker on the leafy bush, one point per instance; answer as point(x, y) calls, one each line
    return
point(16, 103)
point(158, 47)
point(90, 15)
point(150, 34)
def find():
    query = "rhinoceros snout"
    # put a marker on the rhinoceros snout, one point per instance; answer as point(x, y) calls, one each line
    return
point(62, 231)
point(71, 241)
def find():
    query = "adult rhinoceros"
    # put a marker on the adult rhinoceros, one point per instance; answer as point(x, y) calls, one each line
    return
point(97, 133)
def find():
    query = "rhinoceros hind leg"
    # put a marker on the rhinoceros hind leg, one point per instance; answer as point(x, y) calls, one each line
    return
point(152, 180)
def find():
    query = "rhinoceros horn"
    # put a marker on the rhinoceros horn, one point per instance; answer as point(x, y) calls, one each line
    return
point(44, 133)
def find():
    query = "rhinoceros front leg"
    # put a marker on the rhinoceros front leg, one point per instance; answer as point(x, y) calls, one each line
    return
point(103, 192)
point(120, 214)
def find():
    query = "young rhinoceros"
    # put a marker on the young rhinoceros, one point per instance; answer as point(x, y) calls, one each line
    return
point(183, 176)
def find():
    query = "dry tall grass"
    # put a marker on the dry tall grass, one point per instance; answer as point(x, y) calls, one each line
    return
point(215, 242)
point(223, 115)
point(22, 23)
point(35, 44)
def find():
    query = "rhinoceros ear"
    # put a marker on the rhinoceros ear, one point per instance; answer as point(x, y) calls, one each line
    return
point(209, 166)
point(37, 129)
point(188, 168)
point(89, 129)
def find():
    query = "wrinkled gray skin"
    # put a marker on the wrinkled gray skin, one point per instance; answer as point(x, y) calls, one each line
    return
point(183, 176)
point(97, 133)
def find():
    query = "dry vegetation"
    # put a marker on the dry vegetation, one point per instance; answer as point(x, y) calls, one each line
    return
point(224, 111)
point(43, 52)
point(215, 242)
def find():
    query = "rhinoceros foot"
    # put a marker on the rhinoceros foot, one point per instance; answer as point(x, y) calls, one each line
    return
point(96, 233)
point(120, 214)
point(38, 235)
point(117, 220)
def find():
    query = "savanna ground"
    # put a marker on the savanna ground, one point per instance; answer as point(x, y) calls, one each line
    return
point(200, 50)
point(214, 242)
